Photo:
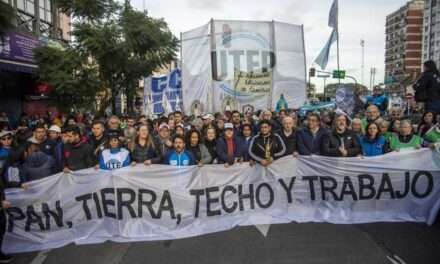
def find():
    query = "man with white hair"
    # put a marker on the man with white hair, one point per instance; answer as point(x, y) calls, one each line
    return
point(288, 135)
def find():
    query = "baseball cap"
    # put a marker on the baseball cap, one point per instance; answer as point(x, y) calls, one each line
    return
point(208, 116)
point(113, 134)
point(33, 140)
point(55, 128)
point(229, 126)
point(164, 125)
point(5, 133)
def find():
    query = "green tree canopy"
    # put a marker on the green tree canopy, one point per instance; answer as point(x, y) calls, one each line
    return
point(6, 18)
point(123, 44)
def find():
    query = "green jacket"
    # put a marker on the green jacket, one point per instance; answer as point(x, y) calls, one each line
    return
point(396, 144)
point(433, 135)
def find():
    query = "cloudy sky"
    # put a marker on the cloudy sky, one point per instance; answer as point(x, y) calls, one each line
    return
point(359, 19)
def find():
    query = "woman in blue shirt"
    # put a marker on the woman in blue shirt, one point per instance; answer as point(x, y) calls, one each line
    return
point(373, 144)
point(114, 156)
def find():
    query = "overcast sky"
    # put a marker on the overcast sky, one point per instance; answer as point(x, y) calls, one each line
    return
point(359, 19)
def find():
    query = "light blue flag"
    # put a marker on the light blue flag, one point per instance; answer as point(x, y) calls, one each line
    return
point(322, 58)
point(333, 16)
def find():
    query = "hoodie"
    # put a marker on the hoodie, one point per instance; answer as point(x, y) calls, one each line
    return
point(37, 165)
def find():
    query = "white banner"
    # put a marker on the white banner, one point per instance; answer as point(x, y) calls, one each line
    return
point(164, 202)
point(213, 53)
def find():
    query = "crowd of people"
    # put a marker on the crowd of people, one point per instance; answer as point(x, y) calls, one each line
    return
point(40, 146)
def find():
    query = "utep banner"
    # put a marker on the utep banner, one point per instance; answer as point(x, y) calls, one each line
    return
point(164, 202)
point(163, 94)
point(213, 53)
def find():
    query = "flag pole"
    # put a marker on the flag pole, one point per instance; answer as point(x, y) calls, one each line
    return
point(337, 37)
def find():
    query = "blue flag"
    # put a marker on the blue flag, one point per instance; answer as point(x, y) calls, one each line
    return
point(322, 58)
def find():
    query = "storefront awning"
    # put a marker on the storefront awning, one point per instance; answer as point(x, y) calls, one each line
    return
point(17, 66)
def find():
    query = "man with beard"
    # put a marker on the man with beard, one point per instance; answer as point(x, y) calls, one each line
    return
point(266, 146)
point(341, 142)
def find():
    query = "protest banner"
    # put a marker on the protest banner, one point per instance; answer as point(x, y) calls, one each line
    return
point(211, 54)
point(162, 202)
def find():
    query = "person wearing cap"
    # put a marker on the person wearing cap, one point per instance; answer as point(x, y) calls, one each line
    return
point(208, 122)
point(54, 139)
point(77, 152)
point(143, 149)
point(179, 130)
point(114, 156)
point(179, 156)
point(163, 141)
point(341, 142)
point(230, 148)
point(266, 146)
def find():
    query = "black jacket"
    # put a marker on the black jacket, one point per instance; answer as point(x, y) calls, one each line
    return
point(290, 142)
point(78, 156)
point(140, 154)
point(333, 140)
point(258, 143)
point(429, 85)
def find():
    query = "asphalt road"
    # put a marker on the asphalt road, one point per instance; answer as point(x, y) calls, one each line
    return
point(288, 243)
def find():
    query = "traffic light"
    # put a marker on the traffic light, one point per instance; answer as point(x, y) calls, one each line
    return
point(312, 72)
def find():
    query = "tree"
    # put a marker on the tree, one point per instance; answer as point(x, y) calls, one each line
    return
point(75, 82)
point(123, 44)
point(6, 18)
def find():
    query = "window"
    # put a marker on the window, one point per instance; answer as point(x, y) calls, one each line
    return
point(20, 4)
point(30, 7)
point(46, 10)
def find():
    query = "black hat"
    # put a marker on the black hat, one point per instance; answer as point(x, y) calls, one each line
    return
point(113, 134)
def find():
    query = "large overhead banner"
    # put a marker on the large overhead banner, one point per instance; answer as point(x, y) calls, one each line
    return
point(165, 202)
point(213, 54)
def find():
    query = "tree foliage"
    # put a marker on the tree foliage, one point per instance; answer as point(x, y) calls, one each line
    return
point(124, 44)
point(75, 82)
point(6, 18)
point(91, 10)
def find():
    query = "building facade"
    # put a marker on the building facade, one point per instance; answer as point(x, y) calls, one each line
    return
point(403, 48)
point(431, 31)
point(37, 23)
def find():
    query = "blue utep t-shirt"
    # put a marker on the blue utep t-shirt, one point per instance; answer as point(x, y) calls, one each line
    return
point(111, 159)
point(184, 158)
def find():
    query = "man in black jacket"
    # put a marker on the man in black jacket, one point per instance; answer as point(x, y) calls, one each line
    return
point(341, 142)
point(98, 139)
point(266, 146)
point(288, 135)
point(77, 152)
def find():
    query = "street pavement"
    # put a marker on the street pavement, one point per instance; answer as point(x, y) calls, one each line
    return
point(310, 243)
